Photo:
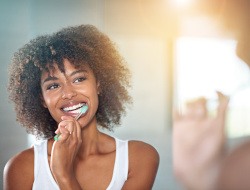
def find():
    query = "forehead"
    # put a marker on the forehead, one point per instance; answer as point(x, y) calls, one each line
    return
point(66, 69)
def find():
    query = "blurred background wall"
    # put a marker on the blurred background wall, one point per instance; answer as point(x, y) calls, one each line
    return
point(153, 36)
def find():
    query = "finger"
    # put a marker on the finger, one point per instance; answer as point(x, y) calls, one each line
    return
point(223, 105)
point(78, 131)
point(74, 127)
point(68, 124)
point(65, 126)
point(62, 135)
point(70, 128)
point(57, 131)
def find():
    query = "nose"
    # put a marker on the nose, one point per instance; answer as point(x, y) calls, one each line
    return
point(68, 92)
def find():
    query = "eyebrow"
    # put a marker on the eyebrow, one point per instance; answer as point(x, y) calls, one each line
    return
point(52, 78)
point(78, 71)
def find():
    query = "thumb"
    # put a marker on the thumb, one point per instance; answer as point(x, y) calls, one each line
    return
point(223, 105)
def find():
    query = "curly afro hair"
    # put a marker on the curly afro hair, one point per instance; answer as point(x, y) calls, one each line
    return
point(83, 44)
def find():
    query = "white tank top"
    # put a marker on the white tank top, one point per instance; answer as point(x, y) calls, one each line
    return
point(43, 178)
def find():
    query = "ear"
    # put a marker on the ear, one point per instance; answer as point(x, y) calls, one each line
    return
point(98, 87)
point(43, 102)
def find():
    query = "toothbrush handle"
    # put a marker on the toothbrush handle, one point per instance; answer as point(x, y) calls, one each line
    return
point(78, 116)
point(56, 137)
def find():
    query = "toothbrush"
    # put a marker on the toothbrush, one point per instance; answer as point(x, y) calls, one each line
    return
point(83, 110)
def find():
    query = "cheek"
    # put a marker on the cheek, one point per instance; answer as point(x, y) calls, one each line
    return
point(47, 101)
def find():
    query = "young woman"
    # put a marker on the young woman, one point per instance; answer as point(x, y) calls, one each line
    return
point(52, 78)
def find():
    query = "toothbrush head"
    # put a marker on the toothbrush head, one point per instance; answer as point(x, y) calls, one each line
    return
point(83, 110)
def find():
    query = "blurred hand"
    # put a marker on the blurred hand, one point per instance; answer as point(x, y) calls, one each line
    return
point(198, 143)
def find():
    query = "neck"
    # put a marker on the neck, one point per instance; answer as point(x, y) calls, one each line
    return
point(90, 141)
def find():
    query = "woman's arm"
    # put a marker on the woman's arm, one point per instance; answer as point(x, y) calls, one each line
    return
point(64, 152)
point(143, 166)
point(19, 171)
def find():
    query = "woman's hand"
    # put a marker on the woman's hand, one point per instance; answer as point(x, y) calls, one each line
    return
point(198, 143)
point(64, 150)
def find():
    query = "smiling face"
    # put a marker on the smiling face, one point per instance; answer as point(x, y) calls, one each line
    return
point(64, 93)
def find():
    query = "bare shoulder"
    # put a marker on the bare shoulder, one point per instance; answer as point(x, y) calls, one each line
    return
point(21, 161)
point(143, 166)
point(139, 149)
point(143, 157)
point(19, 170)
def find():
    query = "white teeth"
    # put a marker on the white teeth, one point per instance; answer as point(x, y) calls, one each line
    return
point(73, 107)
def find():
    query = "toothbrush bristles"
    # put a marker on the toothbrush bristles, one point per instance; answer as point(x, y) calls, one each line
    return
point(82, 111)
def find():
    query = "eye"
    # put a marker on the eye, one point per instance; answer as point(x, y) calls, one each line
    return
point(52, 86)
point(79, 79)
